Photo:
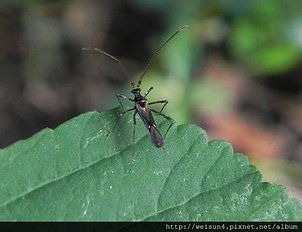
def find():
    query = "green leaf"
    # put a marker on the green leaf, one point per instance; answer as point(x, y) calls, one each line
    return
point(76, 172)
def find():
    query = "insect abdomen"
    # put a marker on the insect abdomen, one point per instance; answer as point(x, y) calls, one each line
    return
point(156, 137)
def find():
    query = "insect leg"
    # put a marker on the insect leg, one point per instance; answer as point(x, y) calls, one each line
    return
point(133, 131)
point(134, 125)
point(166, 117)
point(149, 90)
point(119, 96)
point(165, 102)
point(120, 117)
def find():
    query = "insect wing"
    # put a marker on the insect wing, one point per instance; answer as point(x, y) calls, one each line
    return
point(146, 116)
point(156, 137)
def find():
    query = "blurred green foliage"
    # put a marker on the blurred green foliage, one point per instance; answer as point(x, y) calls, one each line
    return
point(261, 38)
point(262, 35)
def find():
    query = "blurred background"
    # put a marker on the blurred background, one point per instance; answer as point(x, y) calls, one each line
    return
point(236, 71)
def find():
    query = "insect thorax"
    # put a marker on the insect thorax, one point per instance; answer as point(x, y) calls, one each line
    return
point(143, 103)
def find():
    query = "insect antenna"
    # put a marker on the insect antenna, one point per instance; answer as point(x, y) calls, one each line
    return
point(110, 56)
point(156, 53)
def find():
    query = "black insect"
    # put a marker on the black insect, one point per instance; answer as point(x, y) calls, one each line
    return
point(141, 104)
